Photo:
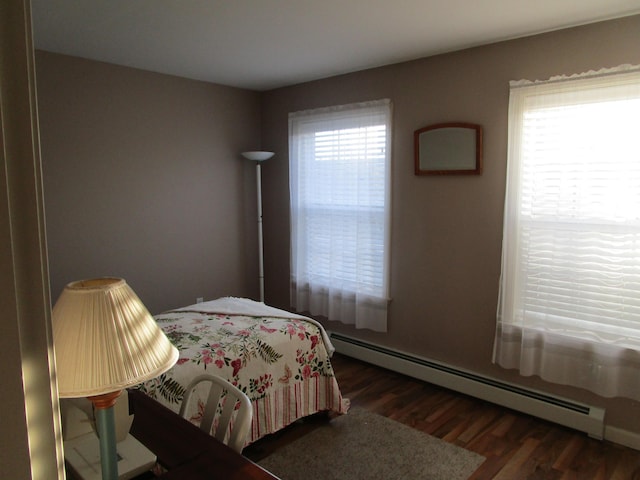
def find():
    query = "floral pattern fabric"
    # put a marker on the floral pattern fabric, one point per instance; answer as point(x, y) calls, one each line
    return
point(282, 364)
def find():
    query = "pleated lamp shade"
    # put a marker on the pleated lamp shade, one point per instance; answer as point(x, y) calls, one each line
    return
point(105, 340)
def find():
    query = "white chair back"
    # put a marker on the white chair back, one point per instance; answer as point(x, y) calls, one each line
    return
point(221, 404)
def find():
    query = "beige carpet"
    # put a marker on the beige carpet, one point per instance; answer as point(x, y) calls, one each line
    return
point(363, 445)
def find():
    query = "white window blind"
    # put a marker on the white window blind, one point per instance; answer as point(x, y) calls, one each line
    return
point(569, 305)
point(339, 182)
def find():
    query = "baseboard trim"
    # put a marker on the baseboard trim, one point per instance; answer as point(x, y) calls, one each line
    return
point(622, 437)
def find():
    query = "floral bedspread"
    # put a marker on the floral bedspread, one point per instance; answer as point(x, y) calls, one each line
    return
point(279, 359)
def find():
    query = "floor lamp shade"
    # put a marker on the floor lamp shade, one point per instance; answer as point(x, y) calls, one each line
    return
point(105, 340)
point(257, 155)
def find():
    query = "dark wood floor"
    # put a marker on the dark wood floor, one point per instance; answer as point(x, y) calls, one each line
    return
point(515, 445)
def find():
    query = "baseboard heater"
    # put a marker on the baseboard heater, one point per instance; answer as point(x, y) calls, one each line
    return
point(585, 418)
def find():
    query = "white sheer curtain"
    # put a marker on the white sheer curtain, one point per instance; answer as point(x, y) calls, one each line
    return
point(569, 307)
point(339, 159)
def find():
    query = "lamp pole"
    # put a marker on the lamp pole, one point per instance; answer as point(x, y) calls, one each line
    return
point(259, 157)
point(106, 429)
point(260, 242)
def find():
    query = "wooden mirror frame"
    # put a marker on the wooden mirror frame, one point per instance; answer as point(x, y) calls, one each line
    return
point(466, 160)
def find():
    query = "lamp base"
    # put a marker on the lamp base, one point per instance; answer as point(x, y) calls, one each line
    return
point(82, 455)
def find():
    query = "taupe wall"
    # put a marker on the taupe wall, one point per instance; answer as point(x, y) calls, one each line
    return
point(446, 231)
point(143, 180)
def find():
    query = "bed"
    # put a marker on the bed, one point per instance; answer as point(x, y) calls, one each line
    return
point(279, 359)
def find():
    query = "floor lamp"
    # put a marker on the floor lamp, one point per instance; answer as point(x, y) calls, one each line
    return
point(105, 340)
point(259, 157)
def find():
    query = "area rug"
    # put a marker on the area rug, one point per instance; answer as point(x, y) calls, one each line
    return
point(364, 445)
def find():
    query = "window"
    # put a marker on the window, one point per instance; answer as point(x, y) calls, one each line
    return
point(340, 190)
point(569, 306)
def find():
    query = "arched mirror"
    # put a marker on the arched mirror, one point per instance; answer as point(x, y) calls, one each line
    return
point(448, 149)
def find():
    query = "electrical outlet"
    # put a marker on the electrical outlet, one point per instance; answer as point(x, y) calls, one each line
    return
point(199, 299)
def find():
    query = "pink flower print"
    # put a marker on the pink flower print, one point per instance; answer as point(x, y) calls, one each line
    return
point(220, 353)
point(306, 371)
point(291, 330)
point(197, 416)
point(237, 365)
point(268, 330)
point(244, 333)
point(206, 357)
point(261, 384)
point(219, 363)
point(301, 336)
point(182, 360)
point(227, 323)
point(314, 341)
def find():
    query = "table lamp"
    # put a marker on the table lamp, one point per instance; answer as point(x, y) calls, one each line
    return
point(105, 340)
point(258, 157)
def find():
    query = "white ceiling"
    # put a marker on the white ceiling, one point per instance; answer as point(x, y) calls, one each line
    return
point(265, 44)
